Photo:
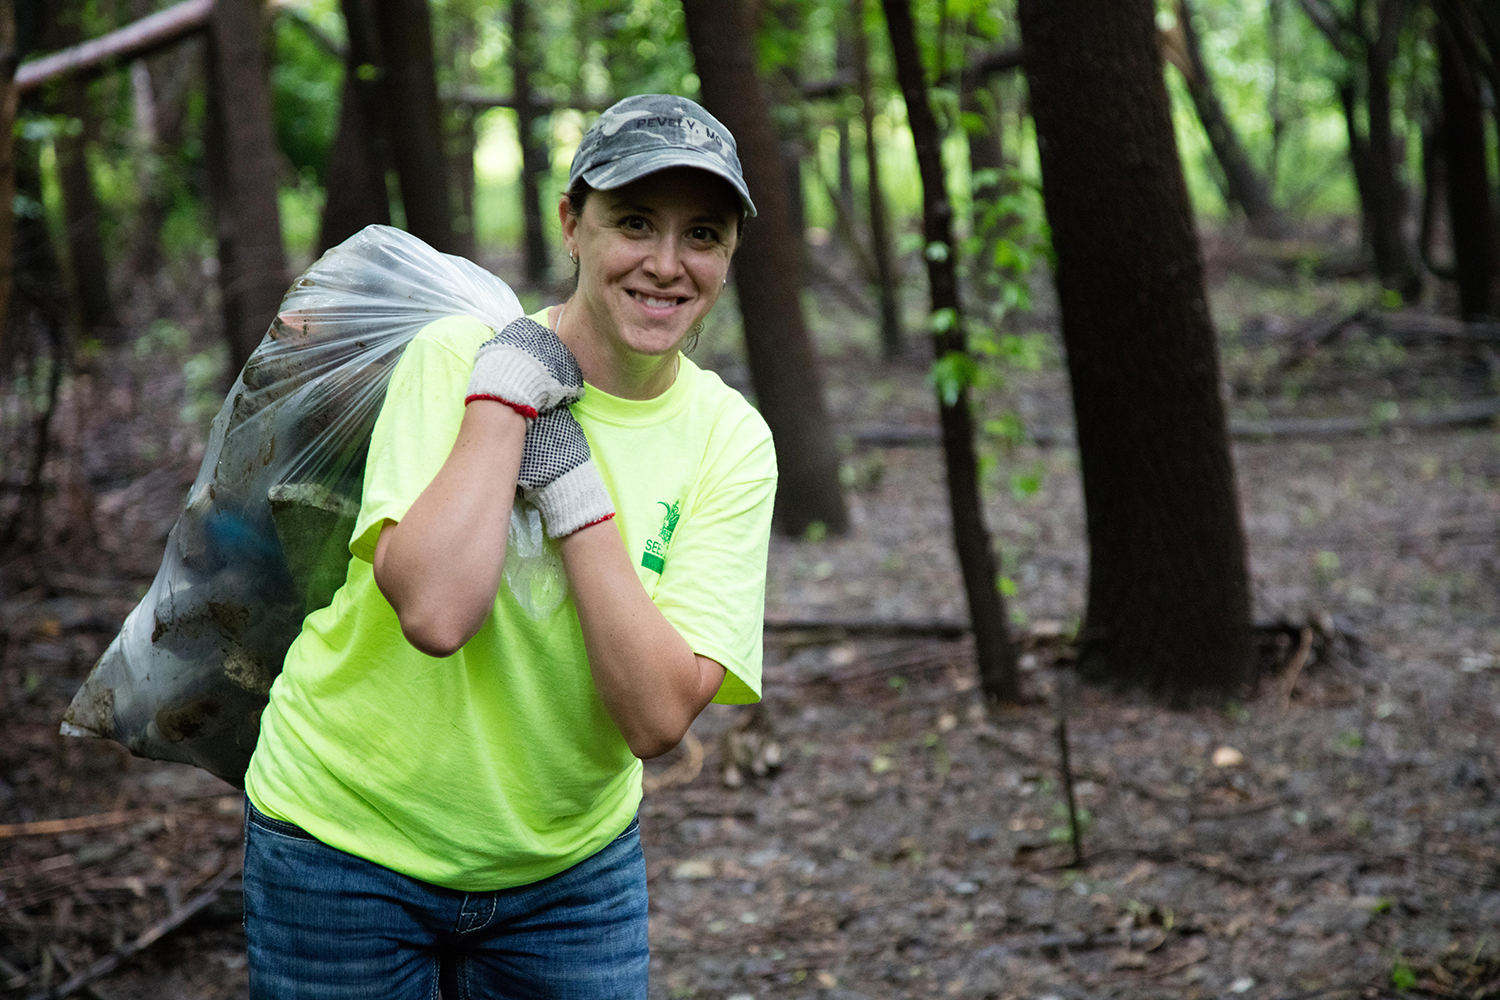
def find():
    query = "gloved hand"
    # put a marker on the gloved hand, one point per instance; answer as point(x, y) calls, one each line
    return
point(559, 477)
point(527, 368)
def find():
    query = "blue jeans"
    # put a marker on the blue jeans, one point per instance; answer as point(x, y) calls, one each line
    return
point(323, 924)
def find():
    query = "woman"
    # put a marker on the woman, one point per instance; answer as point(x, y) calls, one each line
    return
point(444, 792)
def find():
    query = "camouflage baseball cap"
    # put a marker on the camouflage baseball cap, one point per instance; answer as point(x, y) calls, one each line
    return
point(650, 132)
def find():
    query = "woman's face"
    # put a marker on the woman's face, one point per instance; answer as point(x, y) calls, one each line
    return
point(652, 256)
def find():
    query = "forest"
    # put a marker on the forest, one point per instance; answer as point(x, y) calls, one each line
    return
point(1132, 622)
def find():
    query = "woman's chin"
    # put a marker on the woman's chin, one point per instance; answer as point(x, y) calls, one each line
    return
point(656, 343)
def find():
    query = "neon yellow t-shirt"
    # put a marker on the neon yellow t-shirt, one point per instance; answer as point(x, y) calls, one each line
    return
point(499, 766)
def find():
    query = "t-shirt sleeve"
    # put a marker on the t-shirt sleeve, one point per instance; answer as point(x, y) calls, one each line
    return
point(418, 423)
point(713, 587)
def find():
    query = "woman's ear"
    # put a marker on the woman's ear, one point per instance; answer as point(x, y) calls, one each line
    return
point(567, 217)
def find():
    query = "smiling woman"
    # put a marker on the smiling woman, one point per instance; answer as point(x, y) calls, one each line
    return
point(652, 257)
point(444, 792)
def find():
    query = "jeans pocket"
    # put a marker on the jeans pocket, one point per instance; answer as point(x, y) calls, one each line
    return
point(254, 817)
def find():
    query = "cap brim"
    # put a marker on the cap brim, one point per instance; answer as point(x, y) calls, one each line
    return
point(618, 173)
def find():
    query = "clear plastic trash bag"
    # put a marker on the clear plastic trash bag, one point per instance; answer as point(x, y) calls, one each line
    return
point(263, 538)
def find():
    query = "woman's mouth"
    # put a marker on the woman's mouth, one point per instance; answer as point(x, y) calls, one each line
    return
point(655, 302)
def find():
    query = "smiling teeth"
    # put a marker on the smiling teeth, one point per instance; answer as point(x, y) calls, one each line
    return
point(658, 303)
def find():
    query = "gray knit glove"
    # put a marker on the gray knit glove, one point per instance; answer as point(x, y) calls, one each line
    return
point(527, 368)
point(558, 475)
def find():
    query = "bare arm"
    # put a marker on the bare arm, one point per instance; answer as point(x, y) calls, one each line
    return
point(440, 565)
point(651, 682)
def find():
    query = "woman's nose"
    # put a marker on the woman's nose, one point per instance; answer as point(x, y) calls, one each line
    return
point(665, 259)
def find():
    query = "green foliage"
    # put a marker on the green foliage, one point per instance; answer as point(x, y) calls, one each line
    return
point(1403, 976)
point(306, 88)
point(953, 373)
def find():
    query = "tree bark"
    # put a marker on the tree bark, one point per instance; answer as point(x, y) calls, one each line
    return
point(9, 56)
point(783, 365)
point(1168, 598)
point(1468, 184)
point(358, 162)
point(90, 272)
point(979, 107)
point(1373, 154)
point(891, 338)
point(413, 121)
point(535, 161)
point(1392, 260)
point(971, 539)
point(243, 157)
point(1246, 187)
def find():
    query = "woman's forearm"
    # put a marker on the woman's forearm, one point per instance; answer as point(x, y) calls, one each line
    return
point(649, 679)
point(440, 565)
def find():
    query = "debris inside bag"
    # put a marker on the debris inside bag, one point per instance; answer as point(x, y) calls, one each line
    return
point(263, 538)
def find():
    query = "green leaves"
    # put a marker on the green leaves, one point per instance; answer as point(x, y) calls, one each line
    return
point(952, 374)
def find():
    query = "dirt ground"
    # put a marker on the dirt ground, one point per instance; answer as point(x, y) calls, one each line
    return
point(872, 829)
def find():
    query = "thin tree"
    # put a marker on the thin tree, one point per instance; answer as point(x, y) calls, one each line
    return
point(886, 286)
point(1168, 596)
point(10, 56)
point(413, 119)
point(976, 556)
point(243, 160)
point(783, 365)
point(979, 107)
point(88, 269)
point(1368, 44)
point(1242, 182)
point(358, 161)
point(535, 161)
point(162, 87)
point(1468, 182)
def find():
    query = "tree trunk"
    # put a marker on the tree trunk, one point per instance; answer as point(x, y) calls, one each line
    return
point(9, 57)
point(535, 161)
point(36, 292)
point(161, 86)
point(243, 155)
point(358, 162)
point(880, 240)
point(1469, 215)
point(1246, 187)
point(90, 272)
point(1434, 188)
point(976, 556)
point(1168, 600)
point(1388, 212)
point(414, 125)
point(1275, 20)
point(843, 67)
point(783, 365)
point(982, 125)
point(1360, 163)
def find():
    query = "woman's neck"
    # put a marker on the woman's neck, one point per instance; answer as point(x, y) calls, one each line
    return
point(618, 372)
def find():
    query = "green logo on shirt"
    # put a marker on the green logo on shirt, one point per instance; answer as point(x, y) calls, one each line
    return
point(655, 556)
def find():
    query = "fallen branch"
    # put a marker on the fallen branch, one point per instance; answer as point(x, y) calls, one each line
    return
point(45, 827)
point(1408, 325)
point(65, 963)
point(1471, 412)
point(1476, 411)
point(1081, 941)
point(150, 936)
point(134, 41)
point(1294, 668)
point(1308, 341)
point(935, 628)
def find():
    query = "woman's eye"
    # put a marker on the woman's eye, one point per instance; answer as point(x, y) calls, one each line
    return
point(704, 234)
point(634, 222)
